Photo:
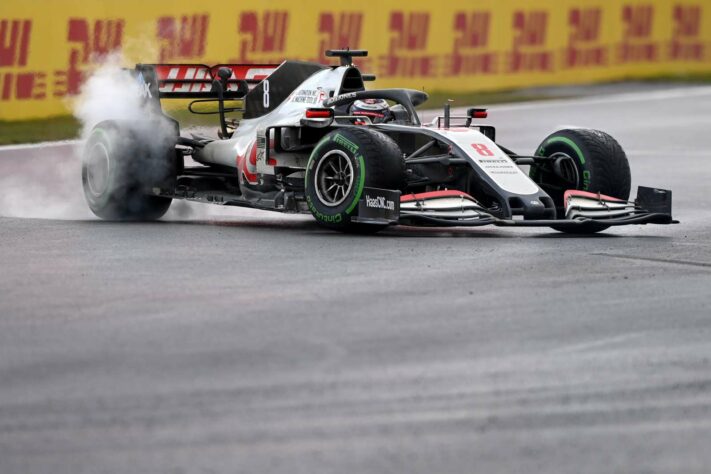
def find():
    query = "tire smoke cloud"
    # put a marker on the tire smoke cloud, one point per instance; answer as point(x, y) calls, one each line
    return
point(44, 181)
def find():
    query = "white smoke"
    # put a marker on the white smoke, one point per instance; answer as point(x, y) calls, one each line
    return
point(45, 181)
point(111, 93)
point(114, 93)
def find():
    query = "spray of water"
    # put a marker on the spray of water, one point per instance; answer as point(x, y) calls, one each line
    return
point(111, 93)
point(42, 182)
point(45, 181)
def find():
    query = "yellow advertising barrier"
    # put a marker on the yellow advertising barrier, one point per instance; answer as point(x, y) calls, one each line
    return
point(48, 47)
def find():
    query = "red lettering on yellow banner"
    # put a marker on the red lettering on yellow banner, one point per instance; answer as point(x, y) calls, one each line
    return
point(686, 43)
point(529, 52)
point(94, 39)
point(469, 50)
point(14, 42)
point(638, 43)
point(263, 36)
point(584, 48)
point(23, 86)
point(182, 37)
point(88, 43)
point(15, 82)
point(407, 51)
point(339, 31)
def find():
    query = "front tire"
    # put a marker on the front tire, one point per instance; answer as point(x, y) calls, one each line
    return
point(591, 161)
point(341, 165)
point(120, 166)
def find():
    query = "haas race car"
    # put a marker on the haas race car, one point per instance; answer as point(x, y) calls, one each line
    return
point(312, 139)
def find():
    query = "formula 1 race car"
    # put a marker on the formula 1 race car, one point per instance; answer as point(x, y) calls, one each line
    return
point(312, 139)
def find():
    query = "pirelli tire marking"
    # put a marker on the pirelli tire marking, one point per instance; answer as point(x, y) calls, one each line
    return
point(357, 163)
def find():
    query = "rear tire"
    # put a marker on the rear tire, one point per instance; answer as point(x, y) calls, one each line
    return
point(343, 163)
point(122, 165)
point(593, 161)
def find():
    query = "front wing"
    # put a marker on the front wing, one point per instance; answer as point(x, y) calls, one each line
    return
point(455, 209)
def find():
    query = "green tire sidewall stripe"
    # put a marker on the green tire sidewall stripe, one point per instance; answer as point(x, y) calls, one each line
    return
point(361, 179)
point(570, 143)
point(361, 184)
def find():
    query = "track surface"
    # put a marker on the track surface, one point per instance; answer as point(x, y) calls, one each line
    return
point(247, 342)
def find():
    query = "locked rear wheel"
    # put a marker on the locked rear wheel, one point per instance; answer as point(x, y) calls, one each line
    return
point(122, 165)
point(587, 160)
point(342, 164)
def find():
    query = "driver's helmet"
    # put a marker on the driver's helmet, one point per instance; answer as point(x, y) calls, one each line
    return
point(377, 109)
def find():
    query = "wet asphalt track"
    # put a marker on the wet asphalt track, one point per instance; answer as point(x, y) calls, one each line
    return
point(250, 342)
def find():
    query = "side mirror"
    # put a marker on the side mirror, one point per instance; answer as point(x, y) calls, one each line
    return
point(219, 87)
point(318, 117)
point(224, 73)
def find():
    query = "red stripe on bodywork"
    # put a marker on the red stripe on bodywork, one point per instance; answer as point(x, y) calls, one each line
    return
point(253, 155)
point(242, 164)
point(435, 195)
point(575, 192)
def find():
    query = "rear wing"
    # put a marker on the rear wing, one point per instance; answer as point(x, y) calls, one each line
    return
point(194, 81)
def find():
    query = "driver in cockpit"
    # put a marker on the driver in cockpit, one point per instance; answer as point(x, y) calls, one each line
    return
point(377, 110)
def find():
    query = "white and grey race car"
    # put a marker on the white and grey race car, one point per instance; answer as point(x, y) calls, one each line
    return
point(302, 145)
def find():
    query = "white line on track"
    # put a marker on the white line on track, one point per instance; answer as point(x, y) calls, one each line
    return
point(26, 146)
point(595, 344)
point(668, 94)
